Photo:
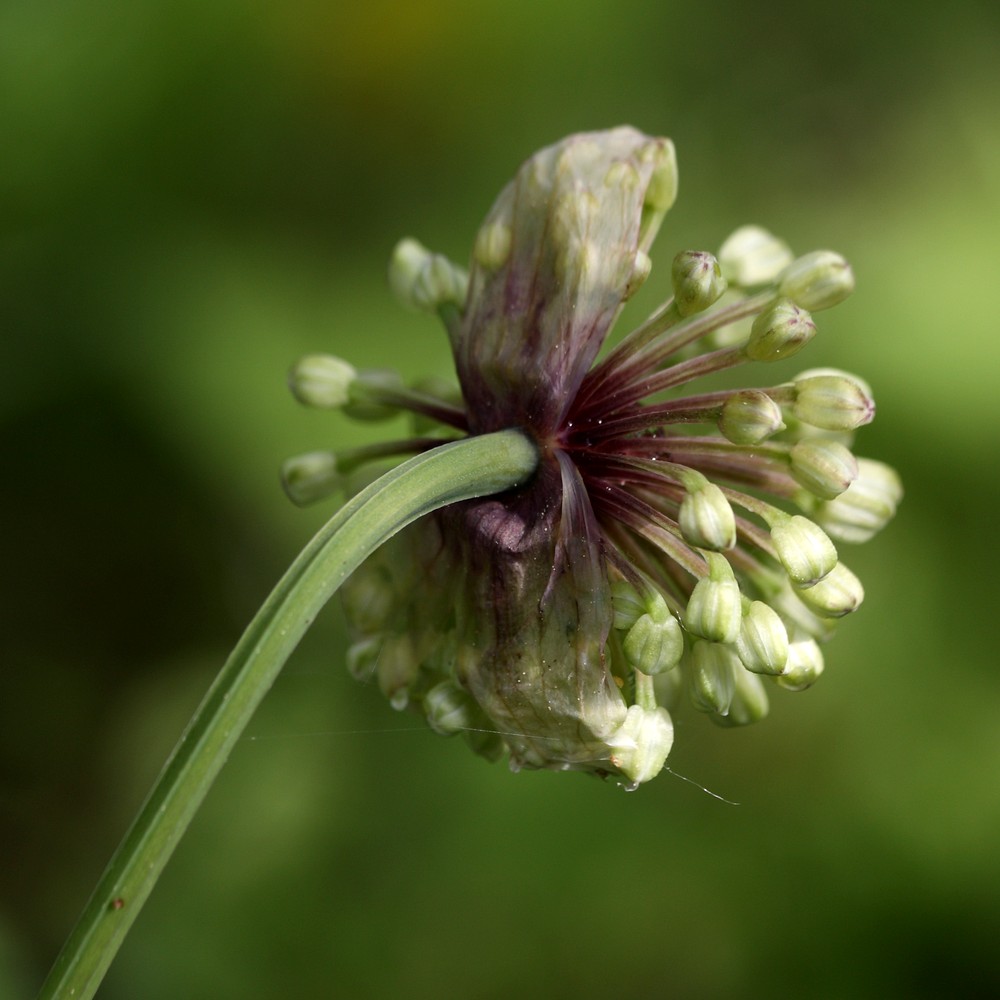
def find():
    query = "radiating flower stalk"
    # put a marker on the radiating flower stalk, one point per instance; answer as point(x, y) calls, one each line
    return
point(674, 542)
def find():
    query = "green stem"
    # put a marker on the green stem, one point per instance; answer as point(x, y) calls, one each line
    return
point(457, 471)
point(645, 693)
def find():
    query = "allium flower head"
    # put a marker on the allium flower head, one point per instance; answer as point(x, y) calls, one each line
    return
point(673, 543)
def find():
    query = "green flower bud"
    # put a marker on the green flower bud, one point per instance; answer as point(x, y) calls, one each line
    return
point(661, 192)
point(706, 519)
point(408, 259)
point(714, 609)
point(578, 256)
point(762, 644)
point(750, 416)
point(697, 280)
point(787, 601)
point(370, 599)
point(311, 477)
point(362, 657)
point(640, 746)
point(321, 380)
point(449, 709)
point(397, 670)
point(578, 259)
point(622, 174)
point(749, 703)
point(837, 594)
point(714, 669)
point(865, 507)
point(804, 665)
point(641, 267)
point(780, 331)
point(443, 652)
point(825, 468)
point(652, 646)
point(493, 245)
point(628, 604)
point(832, 402)
point(818, 280)
point(803, 549)
point(752, 256)
point(440, 283)
point(425, 280)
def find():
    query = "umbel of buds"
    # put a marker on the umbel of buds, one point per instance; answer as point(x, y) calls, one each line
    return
point(672, 545)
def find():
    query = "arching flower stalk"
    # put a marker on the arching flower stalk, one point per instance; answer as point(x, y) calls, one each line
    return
point(672, 542)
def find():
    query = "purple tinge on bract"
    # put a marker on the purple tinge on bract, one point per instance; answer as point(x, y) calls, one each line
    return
point(532, 616)
point(555, 259)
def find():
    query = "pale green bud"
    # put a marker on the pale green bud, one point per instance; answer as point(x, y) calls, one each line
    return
point(706, 519)
point(628, 604)
point(362, 657)
point(780, 331)
point(623, 175)
point(449, 709)
point(804, 665)
point(425, 280)
point(311, 477)
point(714, 610)
point(865, 507)
point(697, 280)
point(321, 380)
point(493, 245)
point(639, 747)
point(578, 259)
point(661, 193)
point(818, 280)
point(653, 641)
point(749, 703)
point(866, 389)
point(440, 283)
point(714, 669)
point(369, 600)
point(803, 549)
point(408, 259)
point(837, 594)
point(750, 416)
point(641, 267)
point(799, 616)
point(832, 402)
point(397, 670)
point(762, 644)
point(825, 468)
point(653, 646)
point(752, 256)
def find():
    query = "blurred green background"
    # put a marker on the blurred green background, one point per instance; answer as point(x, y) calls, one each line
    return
point(194, 193)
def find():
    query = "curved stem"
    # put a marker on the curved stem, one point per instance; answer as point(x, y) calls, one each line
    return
point(457, 471)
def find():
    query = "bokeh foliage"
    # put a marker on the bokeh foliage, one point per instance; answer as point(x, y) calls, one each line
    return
point(194, 193)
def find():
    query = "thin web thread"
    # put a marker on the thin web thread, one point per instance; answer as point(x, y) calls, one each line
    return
point(267, 738)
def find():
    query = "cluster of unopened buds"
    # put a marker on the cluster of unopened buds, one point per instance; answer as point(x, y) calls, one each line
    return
point(668, 545)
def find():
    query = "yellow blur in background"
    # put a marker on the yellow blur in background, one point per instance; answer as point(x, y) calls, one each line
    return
point(194, 194)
